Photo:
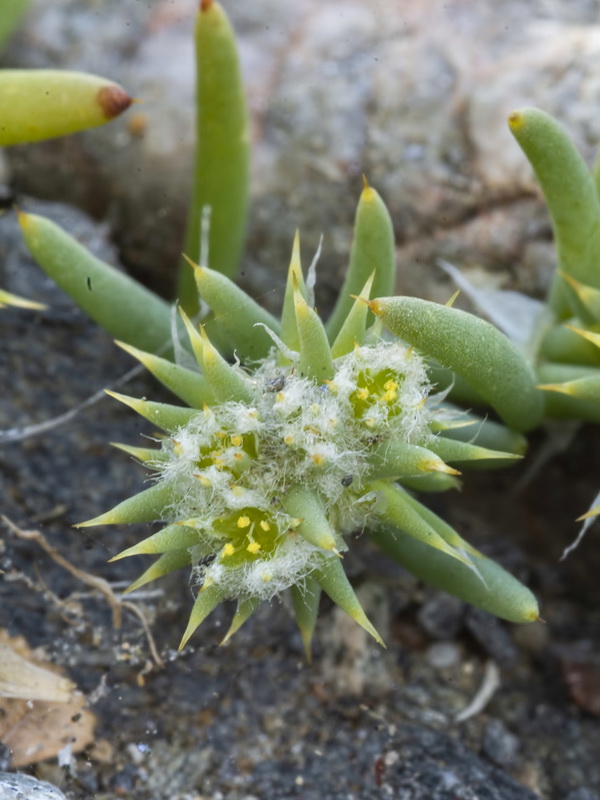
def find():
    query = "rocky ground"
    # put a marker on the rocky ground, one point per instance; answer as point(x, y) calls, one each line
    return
point(417, 100)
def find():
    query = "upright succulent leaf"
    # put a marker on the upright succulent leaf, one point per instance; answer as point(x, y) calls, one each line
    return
point(295, 283)
point(373, 249)
point(222, 151)
point(354, 328)
point(11, 13)
point(570, 192)
point(239, 316)
point(315, 361)
point(42, 104)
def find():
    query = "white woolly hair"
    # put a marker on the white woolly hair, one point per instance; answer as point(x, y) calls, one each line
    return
point(291, 564)
point(304, 433)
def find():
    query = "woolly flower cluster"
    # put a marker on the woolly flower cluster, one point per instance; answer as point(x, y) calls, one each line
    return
point(233, 468)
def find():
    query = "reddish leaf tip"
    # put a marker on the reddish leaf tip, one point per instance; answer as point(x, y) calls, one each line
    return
point(113, 100)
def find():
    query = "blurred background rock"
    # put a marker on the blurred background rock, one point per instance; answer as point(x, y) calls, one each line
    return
point(413, 94)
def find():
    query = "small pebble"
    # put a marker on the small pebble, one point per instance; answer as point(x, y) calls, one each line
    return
point(499, 744)
point(492, 636)
point(441, 616)
point(442, 655)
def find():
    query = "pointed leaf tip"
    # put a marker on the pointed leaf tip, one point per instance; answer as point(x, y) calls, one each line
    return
point(593, 512)
point(205, 5)
point(515, 120)
point(192, 264)
point(113, 100)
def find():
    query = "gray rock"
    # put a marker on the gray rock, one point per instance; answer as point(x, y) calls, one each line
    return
point(24, 787)
point(417, 763)
point(417, 100)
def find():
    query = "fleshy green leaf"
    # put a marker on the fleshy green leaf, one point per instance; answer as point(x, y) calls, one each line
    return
point(587, 388)
point(305, 600)
point(395, 459)
point(145, 455)
point(168, 417)
point(354, 326)
point(167, 563)
point(10, 16)
point(189, 386)
point(315, 354)
point(590, 336)
point(143, 507)
point(305, 504)
point(206, 602)
point(41, 104)
point(123, 307)
point(8, 299)
point(334, 582)
point(402, 514)
point(572, 200)
point(373, 248)
point(566, 343)
point(472, 348)
point(496, 591)
point(238, 315)
point(221, 172)
point(466, 427)
point(227, 383)
point(244, 610)
point(289, 329)
point(432, 482)
point(173, 537)
point(473, 456)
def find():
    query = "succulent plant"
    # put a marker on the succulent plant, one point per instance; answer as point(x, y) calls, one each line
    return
point(295, 434)
point(309, 436)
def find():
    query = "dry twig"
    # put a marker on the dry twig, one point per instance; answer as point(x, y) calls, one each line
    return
point(99, 584)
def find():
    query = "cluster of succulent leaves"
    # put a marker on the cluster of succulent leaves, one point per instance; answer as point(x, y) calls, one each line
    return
point(295, 434)
point(39, 104)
